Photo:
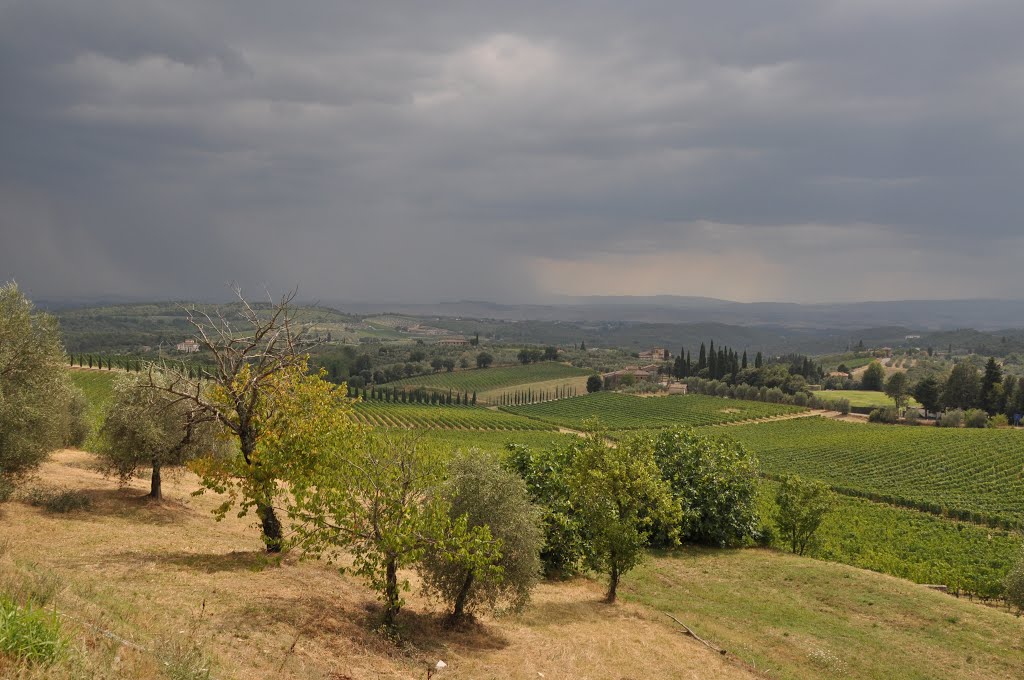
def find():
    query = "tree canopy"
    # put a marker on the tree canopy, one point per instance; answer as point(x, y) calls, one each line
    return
point(35, 391)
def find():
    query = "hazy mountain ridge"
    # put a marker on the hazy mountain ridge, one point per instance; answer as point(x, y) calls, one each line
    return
point(923, 315)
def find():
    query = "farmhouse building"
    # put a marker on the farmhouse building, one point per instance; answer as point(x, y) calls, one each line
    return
point(453, 342)
point(615, 378)
point(188, 347)
point(655, 354)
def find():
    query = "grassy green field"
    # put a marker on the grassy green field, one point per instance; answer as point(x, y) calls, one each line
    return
point(794, 618)
point(862, 397)
point(969, 474)
point(98, 387)
point(910, 544)
point(485, 379)
point(626, 412)
point(425, 416)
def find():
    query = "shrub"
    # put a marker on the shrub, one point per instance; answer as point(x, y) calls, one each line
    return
point(999, 420)
point(29, 633)
point(976, 418)
point(58, 500)
point(594, 384)
point(1014, 585)
point(6, 490)
point(911, 416)
point(952, 418)
point(888, 415)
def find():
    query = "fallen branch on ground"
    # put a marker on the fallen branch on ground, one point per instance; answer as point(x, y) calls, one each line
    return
point(694, 635)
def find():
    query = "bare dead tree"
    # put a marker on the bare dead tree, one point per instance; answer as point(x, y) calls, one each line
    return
point(248, 349)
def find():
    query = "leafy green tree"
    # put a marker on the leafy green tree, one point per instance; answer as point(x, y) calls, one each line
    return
point(874, 377)
point(897, 388)
point(255, 369)
point(550, 353)
point(35, 391)
point(546, 473)
point(802, 506)
point(437, 364)
point(487, 495)
point(929, 393)
point(594, 384)
point(619, 495)
point(379, 502)
point(714, 481)
point(484, 359)
point(146, 427)
point(962, 387)
point(992, 398)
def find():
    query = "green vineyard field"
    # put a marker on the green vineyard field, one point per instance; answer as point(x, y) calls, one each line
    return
point(424, 416)
point(975, 475)
point(911, 544)
point(625, 412)
point(482, 379)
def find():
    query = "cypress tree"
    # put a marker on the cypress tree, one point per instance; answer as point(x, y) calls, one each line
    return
point(702, 359)
point(744, 363)
point(474, 398)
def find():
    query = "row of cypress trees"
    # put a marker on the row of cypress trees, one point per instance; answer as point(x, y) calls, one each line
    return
point(415, 396)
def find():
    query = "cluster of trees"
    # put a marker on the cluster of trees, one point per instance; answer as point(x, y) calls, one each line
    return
point(964, 389)
point(531, 355)
point(791, 373)
point(771, 395)
point(603, 505)
point(720, 364)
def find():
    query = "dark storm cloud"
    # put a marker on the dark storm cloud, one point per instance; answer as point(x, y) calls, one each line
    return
point(796, 149)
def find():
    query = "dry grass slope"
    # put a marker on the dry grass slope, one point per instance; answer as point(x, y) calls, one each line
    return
point(144, 572)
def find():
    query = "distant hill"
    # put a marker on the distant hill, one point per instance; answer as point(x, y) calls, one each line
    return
point(930, 315)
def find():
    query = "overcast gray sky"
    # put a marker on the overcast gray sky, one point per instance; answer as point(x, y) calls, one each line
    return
point(807, 150)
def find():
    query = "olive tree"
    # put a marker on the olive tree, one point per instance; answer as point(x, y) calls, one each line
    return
point(802, 506)
point(143, 427)
point(35, 392)
point(619, 495)
point(1014, 584)
point(487, 495)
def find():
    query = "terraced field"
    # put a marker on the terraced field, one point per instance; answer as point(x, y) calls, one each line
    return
point(626, 412)
point(975, 475)
point(424, 416)
point(484, 379)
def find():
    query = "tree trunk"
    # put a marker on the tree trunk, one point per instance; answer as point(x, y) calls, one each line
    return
point(272, 534)
point(613, 583)
point(391, 593)
point(460, 601)
point(155, 487)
